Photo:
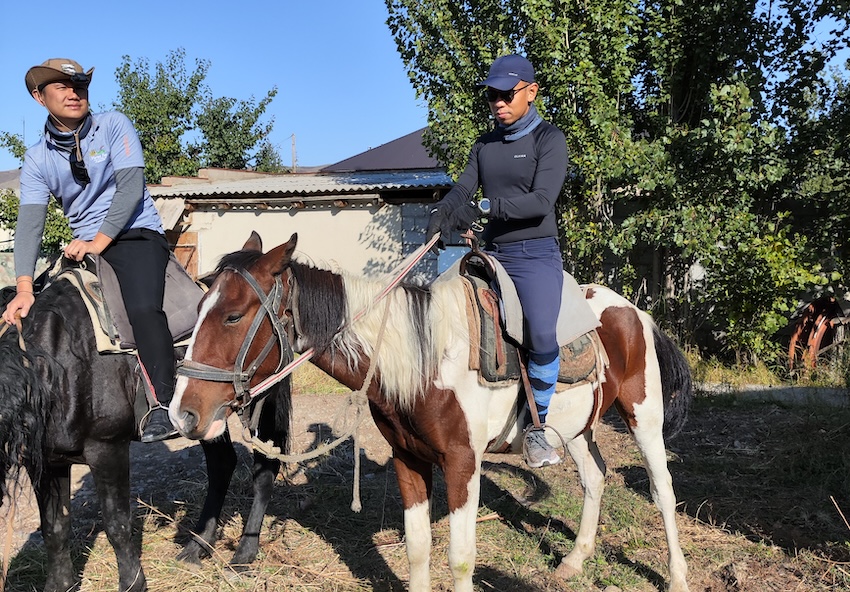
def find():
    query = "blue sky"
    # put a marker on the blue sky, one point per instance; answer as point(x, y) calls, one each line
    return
point(342, 87)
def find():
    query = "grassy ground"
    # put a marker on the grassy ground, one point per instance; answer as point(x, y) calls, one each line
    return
point(762, 490)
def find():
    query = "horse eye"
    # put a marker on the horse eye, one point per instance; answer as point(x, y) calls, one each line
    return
point(234, 318)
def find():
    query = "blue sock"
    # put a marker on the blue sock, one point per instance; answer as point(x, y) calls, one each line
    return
point(543, 378)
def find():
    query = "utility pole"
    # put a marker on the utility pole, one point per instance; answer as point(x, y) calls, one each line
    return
point(294, 160)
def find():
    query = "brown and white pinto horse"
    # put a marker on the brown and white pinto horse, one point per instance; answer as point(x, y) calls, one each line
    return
point(426, 402)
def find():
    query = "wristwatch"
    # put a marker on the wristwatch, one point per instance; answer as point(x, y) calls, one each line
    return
point(484, 205)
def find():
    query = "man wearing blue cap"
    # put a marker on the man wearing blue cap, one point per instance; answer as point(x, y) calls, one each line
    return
point(520, 167)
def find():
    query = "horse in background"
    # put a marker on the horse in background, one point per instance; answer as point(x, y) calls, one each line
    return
point(426, 401)
point(63, 403)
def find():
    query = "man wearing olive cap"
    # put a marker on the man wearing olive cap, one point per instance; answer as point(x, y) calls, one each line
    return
point(93, 165)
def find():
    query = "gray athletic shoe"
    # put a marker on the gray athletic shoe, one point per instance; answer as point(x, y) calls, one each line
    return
point(538, 451)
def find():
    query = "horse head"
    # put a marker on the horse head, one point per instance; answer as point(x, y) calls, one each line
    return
point(241, 337)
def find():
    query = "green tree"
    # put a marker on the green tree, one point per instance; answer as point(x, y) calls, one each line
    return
point(231, 130)
point(182, 127)
point(56, 230)
point(268, 159)
point(163, 109)
point(14, 143)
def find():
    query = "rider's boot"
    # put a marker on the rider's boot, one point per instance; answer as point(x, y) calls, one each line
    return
point(158, 426)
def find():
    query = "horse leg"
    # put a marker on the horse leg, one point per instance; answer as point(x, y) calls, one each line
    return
point(651, 445)
point(221, 462)
point(591, 470)
point(265, 470)
point(415, 480)
point(463, 492)
point(110, 468)
point(54, 504)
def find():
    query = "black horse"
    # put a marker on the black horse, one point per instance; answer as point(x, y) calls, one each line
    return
point(63, 403)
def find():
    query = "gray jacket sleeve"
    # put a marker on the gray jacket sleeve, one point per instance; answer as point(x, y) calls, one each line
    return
point(129, 190)
point(28, 233)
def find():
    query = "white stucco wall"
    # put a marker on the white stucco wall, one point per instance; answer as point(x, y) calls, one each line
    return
point(360, 239)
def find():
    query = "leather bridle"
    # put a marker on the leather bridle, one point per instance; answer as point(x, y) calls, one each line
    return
point(239, 375)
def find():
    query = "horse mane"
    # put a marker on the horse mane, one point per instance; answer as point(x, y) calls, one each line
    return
point(237, 260)
point(415, 320)
point(27, 379)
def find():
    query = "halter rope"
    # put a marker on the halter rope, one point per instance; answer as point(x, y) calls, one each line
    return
point(357, 399)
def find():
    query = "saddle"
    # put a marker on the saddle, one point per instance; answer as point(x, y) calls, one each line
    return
point(98, 285)
point(494, 353)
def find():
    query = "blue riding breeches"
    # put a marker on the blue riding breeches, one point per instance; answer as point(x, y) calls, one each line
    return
point(537, 270)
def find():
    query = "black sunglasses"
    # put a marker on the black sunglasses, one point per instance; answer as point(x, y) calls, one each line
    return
point(78, 169)
point(79, 80)
point(494, 96)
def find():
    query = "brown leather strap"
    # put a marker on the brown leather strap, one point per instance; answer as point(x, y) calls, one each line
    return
point(532, 406)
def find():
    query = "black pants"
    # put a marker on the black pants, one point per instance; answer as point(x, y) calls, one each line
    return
point(139, 258)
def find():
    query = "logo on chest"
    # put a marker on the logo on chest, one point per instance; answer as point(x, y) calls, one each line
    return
point(98, 154)
point(520, 155)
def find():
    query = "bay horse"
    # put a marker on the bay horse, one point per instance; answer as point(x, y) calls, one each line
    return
point(64, 403)
point(426, 401)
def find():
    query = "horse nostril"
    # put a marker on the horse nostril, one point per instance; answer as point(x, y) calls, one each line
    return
point(188, 420)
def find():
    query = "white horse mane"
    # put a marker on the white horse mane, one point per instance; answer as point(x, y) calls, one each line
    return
point(407, 359)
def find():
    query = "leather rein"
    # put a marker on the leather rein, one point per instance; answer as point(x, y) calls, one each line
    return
point(239, 375)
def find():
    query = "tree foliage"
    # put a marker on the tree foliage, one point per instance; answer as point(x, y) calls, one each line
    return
point(231, 130)
point(14, 143)
point(57, 233)
point(692, 128)
point(182, 126)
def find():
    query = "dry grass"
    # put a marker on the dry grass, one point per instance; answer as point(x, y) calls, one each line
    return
point(307, 378)
point(755, 484)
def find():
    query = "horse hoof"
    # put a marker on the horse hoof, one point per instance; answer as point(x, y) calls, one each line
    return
point(189, 557)
point(566, 572)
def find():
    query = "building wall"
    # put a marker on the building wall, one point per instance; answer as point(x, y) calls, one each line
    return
point(367, 240)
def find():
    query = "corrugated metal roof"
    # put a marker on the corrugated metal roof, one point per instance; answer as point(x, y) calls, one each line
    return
point(303, 185)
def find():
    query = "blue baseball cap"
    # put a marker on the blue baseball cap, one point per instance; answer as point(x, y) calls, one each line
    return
point(507, 71)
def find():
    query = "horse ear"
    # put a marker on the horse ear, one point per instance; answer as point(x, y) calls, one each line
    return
point(254, 243)
point(279, 258)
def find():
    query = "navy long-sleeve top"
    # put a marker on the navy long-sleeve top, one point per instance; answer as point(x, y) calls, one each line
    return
point(522, 179)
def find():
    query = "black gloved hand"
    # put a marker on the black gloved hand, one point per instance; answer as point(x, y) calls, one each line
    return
point(463, 217)
point(439, 222)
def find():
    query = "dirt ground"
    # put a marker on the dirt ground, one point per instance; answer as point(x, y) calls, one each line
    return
point(752, 515)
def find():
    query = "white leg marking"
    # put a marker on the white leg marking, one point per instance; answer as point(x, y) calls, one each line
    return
point(591, 469)
point(648, 434)
point(661, 485)
point(417, 533)
point(462, 539)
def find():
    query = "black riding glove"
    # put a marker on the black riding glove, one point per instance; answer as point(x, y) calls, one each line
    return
point(463, 217)
point(439, 222)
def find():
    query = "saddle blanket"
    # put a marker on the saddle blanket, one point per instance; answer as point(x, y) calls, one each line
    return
point(496, 356)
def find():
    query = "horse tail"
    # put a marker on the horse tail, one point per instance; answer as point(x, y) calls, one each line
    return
point(677, 383)
point(23, 415)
